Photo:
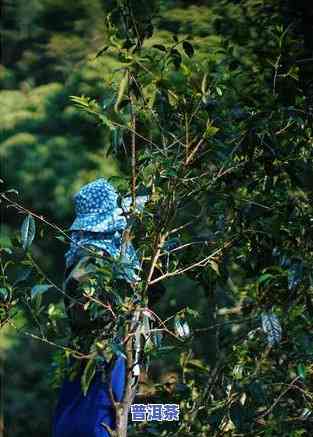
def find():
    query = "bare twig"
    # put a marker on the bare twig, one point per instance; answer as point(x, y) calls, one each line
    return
point(202, 263)
point(269, 410)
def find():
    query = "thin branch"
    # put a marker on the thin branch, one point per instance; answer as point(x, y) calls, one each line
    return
point(229, 322)
point(97, 301)
point(269, 410)
point(159, 244)
point(133, 146)
point(202, 263)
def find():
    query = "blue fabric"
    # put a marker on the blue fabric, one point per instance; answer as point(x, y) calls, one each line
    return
point(97, 209)
point(100, 222)
point(127, 264)
point(77, 415)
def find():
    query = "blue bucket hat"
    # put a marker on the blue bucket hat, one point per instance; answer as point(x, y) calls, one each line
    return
point(97, 209)
point(100, 222)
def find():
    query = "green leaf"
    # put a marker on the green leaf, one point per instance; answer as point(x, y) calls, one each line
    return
point(106, 121)
point(100, 52)
point(51, 309)
point(204, 84)
point(301, 370)
point(176, 58)
point(210, 131)
point(121, 91)
point(7, 250)
point(128, 44)
point(3, 293)
point(199, 365)
point(82, 102)
point(12, 190)
point(28, 230)
point(219, 91)
point(159, 47)
point(214, 265)
point(121, 183)
point(188, 48)
point(264, 278)
point(171, 172)
point(124, 103)
point(61, 238)
point(40, 289)
point(21, 276)
point(181, 327)
point(192, 313)
point(88, 375)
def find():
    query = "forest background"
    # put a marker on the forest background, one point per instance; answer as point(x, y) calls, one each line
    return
point(262, 52)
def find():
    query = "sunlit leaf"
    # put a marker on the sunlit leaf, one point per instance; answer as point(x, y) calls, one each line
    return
point(182, 328)
point(7, 250)
point(265, 278)
point(12, 190)
point(121, 92)
point(214, 265)
point(219, 91)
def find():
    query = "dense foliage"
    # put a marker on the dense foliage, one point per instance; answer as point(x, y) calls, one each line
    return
point(209, 109)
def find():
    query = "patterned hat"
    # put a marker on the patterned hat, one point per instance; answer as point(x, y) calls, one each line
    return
point(97, 209)
point(99, 223)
